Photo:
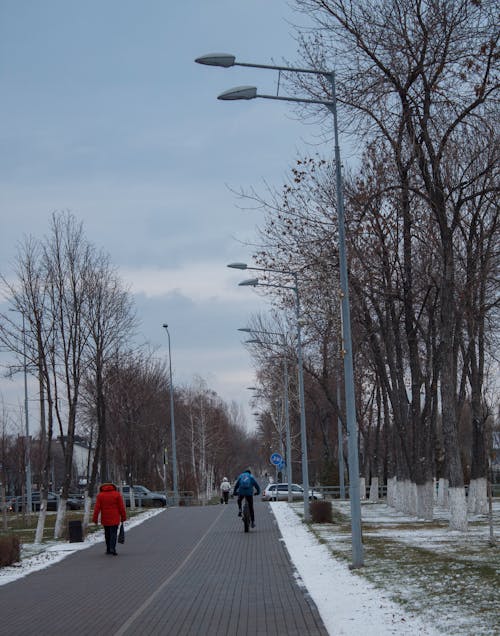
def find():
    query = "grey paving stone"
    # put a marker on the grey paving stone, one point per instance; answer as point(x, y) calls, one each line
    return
point(188, 571)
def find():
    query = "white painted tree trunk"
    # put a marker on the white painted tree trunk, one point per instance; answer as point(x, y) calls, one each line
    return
point(458, 509)
point(374, 490)
point(391, 492)
point(411, 498)
point(210, 481)
point(443, 490)
point(362, 488)
point(87, 510)
point(40, 526)
point(60, 517)
point(406, 497)
point(425, 501)
point(400, 496)
point(131, 496)
point(477, 499)
point(397, 493)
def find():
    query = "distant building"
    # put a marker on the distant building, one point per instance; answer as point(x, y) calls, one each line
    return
point(81, 461)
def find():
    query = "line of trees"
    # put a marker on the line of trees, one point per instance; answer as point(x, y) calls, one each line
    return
point(77, 340)
point(418, 84)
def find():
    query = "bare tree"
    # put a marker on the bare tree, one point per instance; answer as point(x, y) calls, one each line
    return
point(110, 320)
point(418, 75)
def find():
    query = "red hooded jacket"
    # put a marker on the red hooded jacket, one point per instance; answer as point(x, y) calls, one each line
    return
point(109, 503)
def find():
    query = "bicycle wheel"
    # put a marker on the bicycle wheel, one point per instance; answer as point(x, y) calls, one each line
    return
point(246, 516)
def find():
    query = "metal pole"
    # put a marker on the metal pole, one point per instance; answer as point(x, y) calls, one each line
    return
point(172, 423)
point(352, 432)
point(287, 424)
point(340, 435)
point(303, 431)
point(27, 424)
point(165, 461)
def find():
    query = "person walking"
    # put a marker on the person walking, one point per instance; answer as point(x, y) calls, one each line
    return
point(225, 488)
point(110, 505)
point(244, 488)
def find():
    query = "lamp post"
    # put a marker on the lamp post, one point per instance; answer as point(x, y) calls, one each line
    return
point(286, 405)
point(27, 423)
point(254, 282)
point(250, 92)
point(340, 437)
point(29, 498)
point(172, 422)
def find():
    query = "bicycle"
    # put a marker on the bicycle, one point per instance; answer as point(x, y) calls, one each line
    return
point(245, 514)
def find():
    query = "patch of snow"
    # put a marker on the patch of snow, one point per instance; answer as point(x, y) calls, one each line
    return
point(348, 604)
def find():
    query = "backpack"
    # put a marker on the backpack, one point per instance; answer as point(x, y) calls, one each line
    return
point(245, 481)
point(245, 486)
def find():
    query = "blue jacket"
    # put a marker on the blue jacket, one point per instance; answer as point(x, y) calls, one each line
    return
point(245, 484)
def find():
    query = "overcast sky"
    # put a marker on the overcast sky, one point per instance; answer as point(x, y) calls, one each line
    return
point(104, 113)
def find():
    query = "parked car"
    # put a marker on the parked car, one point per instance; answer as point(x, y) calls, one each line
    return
point(279, 492)
point(144, 497)
point(16, 504)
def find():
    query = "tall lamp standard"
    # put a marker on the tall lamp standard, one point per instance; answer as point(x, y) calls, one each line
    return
point(250, 92)
point(286, 403)
point(29, 498)
point(254, 282)
point(27, 423)
point(172, 422)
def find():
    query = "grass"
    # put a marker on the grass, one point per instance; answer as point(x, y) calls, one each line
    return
point(24, 527)
point(451, 579)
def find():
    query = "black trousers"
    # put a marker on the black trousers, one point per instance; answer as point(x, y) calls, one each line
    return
point(225, 495)
point(110, 534)
point(249, 498)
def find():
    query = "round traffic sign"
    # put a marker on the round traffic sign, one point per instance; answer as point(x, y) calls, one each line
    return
point(276, 459)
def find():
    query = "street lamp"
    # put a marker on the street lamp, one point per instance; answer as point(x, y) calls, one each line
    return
point(29, 498)
point(254, 282)
point(286, 403)
point(226, 60)
point(172, 422)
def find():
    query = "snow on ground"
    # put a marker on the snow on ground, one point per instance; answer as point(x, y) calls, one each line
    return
point(40, 556)
point(348, 604)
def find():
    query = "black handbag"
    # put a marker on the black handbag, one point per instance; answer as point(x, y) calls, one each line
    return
point(121, 534)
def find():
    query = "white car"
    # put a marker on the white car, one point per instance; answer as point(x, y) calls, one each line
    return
point(279, 492)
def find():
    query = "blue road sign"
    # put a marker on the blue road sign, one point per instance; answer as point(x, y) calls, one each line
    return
point(276, 459)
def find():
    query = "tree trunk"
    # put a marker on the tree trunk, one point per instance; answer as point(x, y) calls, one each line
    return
point(448, 374)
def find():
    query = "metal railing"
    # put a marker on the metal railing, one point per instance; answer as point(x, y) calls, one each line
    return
point(334, 491)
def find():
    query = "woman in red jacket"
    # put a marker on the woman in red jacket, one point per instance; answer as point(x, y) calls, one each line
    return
point(109, 503)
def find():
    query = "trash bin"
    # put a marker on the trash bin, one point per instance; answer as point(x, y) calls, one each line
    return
point(75, 531)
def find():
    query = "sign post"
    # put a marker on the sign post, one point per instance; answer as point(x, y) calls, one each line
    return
point(277, 461)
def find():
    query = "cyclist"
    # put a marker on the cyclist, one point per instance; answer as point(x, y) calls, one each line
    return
point(244, 488)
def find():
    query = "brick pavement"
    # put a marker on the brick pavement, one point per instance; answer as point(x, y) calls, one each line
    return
point(187, 571)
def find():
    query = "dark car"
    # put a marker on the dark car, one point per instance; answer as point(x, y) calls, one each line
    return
point(20, 502)
point(144, 497)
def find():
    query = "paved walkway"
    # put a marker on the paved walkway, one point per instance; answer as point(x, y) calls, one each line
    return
point(187, 571)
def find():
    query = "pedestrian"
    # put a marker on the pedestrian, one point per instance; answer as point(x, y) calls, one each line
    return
point(225, 488)
point(110, 505)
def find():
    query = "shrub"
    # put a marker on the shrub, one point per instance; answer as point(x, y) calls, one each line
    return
point(321, 511)
point(10, 550)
